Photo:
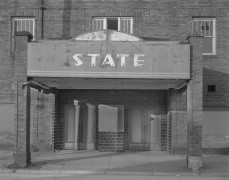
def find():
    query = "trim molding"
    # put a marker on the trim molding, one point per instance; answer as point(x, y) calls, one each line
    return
point(109, 74)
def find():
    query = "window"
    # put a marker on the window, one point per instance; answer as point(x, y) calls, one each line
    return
point(124, 24)
point(211, 88)
point(207, 27)
point(24, 24)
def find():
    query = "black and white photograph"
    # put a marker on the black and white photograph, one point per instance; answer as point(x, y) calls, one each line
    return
point(114, 89)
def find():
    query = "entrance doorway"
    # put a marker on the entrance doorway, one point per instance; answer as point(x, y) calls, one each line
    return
point(70, 128)
point(144, 129)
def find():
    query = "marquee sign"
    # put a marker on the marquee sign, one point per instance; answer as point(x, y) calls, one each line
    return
point(109, 59)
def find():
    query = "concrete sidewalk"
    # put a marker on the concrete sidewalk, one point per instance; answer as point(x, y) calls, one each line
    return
point(130, 162)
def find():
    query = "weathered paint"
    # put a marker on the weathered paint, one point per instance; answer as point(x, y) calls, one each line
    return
point(109, 59)
point(107, 35)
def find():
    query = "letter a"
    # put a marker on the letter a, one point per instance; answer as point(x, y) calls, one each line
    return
point(108, 60)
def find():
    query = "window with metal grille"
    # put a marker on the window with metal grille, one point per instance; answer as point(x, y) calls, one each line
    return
point(124, 24)
point(24, 24)
point(206, 26)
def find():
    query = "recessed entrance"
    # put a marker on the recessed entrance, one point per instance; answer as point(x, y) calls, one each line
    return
point(77, 132)
point(114, 120)
point(144, 129)
point(69, 127)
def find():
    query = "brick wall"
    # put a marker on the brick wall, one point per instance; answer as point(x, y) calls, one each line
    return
point(128, 98)
point(162, 19)
point(7, 134)
point(26, 102)
point(215, 144)
point(111, 141)
point(42, 120)
point(8, 59)
point(177, 121)
point(215, 130)
point(164, 133)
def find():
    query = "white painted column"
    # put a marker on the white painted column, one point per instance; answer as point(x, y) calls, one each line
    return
point(77, 116)
point(155, 133)
point(91, 127)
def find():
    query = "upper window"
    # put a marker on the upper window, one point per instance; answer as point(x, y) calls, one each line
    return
point(206, 26)
point(24, 24)
point(124, 24)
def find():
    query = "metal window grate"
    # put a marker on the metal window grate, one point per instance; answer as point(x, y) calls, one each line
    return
point(25, 24)
point(124, 24)
point(203, 26)
point(206, 26)
point(98, 24)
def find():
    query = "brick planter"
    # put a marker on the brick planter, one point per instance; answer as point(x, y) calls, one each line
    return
point(111, 141)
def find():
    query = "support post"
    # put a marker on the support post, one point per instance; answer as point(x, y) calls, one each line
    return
point(195, 104)
point(77, 115)
point(155, 129)
point(22, 155)
point(28, 100)
point(91, 128)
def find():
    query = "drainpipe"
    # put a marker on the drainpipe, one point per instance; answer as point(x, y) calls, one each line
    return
point(17, 115)
point(28, 101)
point(42, 7)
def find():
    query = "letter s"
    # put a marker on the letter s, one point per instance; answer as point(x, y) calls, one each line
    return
point(78, 61)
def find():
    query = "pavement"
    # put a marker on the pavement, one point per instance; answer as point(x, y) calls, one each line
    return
point(125, 163)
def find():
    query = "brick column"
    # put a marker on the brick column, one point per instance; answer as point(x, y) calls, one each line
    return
point(22, 155)
point(55, 122)
point(77, 116)
point(91, 127)
point(195, 104)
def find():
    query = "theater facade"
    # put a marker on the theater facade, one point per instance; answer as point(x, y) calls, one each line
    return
point(114, 76)
point(112, 87)
point(110, 91)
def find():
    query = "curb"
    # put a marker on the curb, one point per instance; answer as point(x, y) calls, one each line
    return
point(76, 172)
point(110, 172)
point(24, 171)
point(175, 174)
point(7, 170)
point(83, 172)
point(94, 172)
point(216, 174)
